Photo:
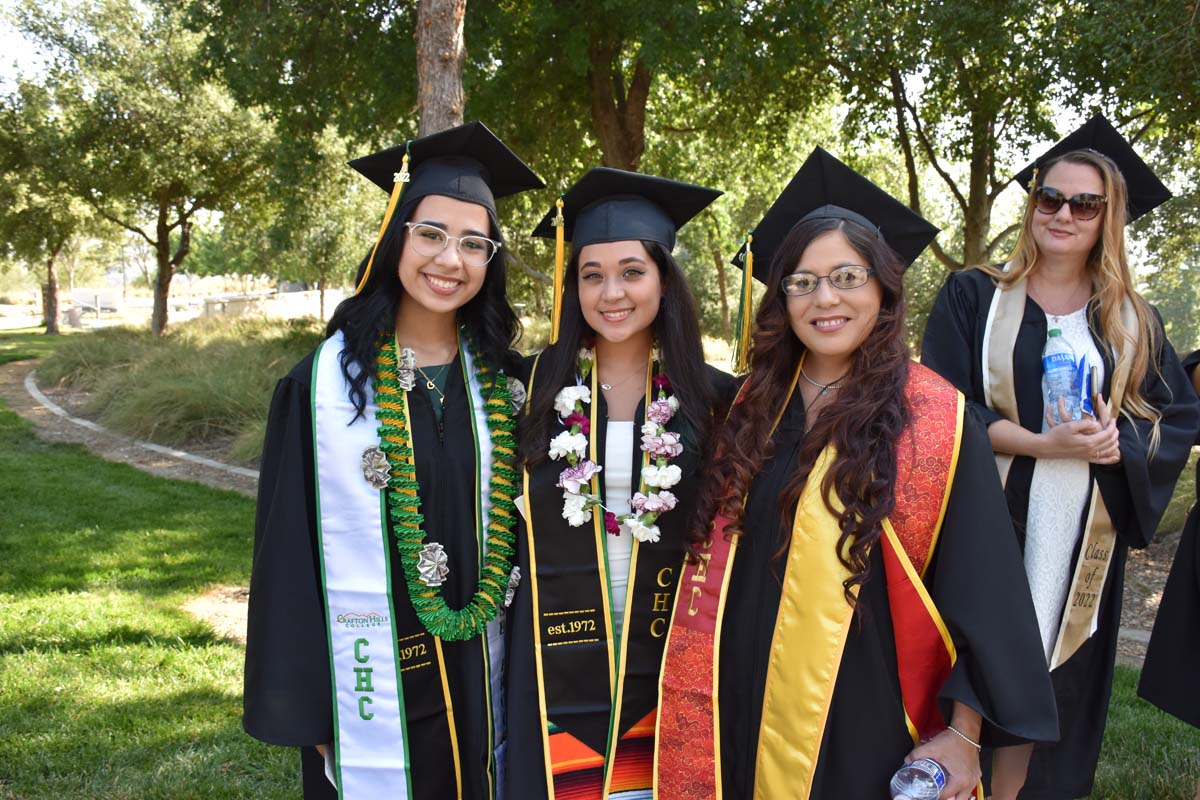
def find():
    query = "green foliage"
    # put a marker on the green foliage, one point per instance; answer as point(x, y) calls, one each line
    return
point(111, 689)
point(180, 389)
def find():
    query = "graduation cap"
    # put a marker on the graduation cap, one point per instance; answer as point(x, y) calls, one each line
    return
point(1146, 192)
point(825, 188)
point(466, 163)
point(612, 205)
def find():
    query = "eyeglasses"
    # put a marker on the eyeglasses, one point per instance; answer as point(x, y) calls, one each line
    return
point(847, 276)
point(430, 241)
point(1083, 206)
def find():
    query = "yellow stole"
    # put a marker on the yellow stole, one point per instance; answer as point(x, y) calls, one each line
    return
point(1080, 618)
point(813, 618)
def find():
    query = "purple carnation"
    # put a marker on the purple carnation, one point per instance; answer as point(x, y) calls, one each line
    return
point(573, 478)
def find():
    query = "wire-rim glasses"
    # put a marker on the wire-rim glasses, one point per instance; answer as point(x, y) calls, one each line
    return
point(430, 241)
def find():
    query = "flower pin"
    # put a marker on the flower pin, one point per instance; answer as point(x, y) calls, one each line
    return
point(407, 373)
point(375, 467)
point(431, 564)
point(516, 391)
point(514, 579)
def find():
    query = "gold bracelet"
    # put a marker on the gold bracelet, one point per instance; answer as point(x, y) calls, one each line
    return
point(964, 737)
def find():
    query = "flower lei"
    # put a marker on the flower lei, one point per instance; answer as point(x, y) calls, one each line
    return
point(404, 499)
point(660, 444)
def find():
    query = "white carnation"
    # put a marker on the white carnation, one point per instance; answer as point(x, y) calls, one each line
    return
point(640, 531)
point(566, 444)
point(650, 429)
point(564, 401)
point(661, 477)
point(575, 509)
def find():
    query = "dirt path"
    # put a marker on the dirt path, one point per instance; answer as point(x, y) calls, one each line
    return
point(224, 607)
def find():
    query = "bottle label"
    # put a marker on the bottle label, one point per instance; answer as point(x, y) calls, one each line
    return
point(934, 769)
point(1083, 380)
point(1052, 361)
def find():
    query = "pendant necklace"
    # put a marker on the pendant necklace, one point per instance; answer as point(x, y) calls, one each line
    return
point(824, 387)
point(431, 383)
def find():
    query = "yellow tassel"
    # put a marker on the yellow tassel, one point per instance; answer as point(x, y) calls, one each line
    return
point(560, 232)
point(400, 178)
point(745, 317)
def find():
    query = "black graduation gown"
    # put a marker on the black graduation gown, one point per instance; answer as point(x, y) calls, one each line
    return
point(1135, 491)
point(1172, 667)
point(526, 763)
point(976, 580)
point(287, 698)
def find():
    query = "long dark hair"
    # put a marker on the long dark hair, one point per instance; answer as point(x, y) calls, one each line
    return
point(863, 421)
point(491, 324)
point(676, 331)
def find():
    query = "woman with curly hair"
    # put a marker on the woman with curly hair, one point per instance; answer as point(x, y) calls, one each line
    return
point(385, 529)
point(619, 408)
point(855, 599)
point(1082, 487)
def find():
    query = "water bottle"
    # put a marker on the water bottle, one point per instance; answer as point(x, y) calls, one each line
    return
point(1059, 377)
point(923, 779)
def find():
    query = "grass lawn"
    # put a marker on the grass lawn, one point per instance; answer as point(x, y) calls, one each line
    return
point(110, 689)
point(23, 343)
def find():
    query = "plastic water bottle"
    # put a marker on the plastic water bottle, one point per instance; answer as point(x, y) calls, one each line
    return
point(1059, 376)
point(923, 779)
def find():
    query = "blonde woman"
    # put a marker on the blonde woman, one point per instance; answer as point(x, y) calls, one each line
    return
point(1084, 490)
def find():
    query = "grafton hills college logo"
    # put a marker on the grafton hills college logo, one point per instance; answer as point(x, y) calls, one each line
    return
point(356, 619)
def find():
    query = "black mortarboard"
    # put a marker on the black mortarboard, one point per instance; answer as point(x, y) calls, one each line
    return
point(467, 163)
point(825, 187)
point(1146, 191)
point(612, 205)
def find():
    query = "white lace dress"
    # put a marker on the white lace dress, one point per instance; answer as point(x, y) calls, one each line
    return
point(1057, 501)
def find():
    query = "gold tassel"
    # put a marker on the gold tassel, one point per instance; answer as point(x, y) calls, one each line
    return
point(560, 230)
point(400, 179)
point(745, 317)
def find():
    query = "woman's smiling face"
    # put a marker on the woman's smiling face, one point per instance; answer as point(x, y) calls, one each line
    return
point(620, 289)
point(443, 283)
point(832, 323)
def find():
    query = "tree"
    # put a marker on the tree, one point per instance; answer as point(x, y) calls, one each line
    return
point(440, 56)
point(153, 142)
point(39, 217)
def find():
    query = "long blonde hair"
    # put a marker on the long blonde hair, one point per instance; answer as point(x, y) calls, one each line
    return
point(1112, 282)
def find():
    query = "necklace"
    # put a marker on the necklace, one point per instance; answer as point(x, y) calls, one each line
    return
point(824, 387)
point(403, 495)
point(432, 383)
point(608, 387)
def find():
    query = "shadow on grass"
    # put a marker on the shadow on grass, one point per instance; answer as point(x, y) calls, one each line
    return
point(115, 636)
point(73, 521)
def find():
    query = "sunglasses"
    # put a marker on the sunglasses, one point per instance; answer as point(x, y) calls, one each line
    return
point(1083, 206)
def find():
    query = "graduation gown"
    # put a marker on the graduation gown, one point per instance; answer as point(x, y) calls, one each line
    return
point(975, 580)
point(645, 628)
point(1172, 664)
point(287, 698)
point(1135, 492)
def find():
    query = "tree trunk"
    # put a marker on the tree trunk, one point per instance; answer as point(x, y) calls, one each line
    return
point(50, 295)
point(979, 202)
point(440, 56)
point(618, 112)
point(714, 244)
point(321, 290)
